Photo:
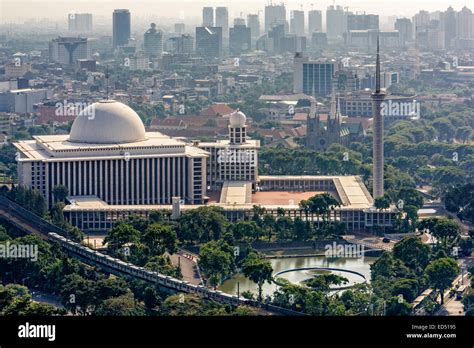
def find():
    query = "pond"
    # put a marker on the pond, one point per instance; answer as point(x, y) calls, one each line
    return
point(360, 265)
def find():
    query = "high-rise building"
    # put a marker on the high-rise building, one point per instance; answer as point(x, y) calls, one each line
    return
point(209, 42)
point(67, 50)
point(239, 21)
point(80, 22)
point(179, 28)
point(207, 17)
point(448, 24)
point(362, 21)
point(315, 21)
point(336, 23)
point(378, 156)
point(239, 39)
point(253, 22)
point(297, 23)
point(465, 29)
point(275, 34)
point(121, 27)
point(313, 78)
point(405, 29)
point(153, 42)
point(222, 20)
point(319, 41)
point(183, 44)
point(292, 44)
point(274, 15)
point(421, 21)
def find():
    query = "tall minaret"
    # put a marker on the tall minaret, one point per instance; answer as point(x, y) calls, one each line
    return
point(378, 158)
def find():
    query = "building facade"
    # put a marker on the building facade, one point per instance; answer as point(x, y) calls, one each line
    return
point(234, 159)
point(153, 42)
point(108, 155)
point(222, 20)
point(315, 22)
point(314, 78)
point(209, 42)
point(80, 22)
point(240, 39)
point(121, 27)
point(67, 50)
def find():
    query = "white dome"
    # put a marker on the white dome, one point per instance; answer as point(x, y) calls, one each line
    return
point(107, 122)
point(237, 119)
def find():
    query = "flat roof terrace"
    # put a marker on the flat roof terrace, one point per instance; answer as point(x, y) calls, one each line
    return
point(283, 198)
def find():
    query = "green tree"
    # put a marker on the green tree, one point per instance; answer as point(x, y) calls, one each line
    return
point(412, 252)
point(382, 203)
point(398, 306)
point(446, 231)
point(60, 193)
point(124, 305)
point(216, 260)
point(121, 234)
point(202, 224)
point(441, 273)
point(246, 230)
point(160, 238)
point(258, 269)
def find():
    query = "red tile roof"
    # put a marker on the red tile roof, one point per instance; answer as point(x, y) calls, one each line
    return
point(217, 110)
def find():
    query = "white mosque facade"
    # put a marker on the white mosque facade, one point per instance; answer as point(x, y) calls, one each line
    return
point(113, 168)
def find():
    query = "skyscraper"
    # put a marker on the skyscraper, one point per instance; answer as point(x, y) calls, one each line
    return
point(405, 28)
point(313, 78)
point(239, 39)
point(275, 14)
point(209, 42)
point(222, 20)
point(465, 28)
point(378, 157)
point(179, 28)
point(362, 21)
point(80, 22)
point(448, 23)
point(239, 21)
point(67, 50)
point(297, 23)
point(315, 21)
point(153, 42)
point(253, 22)
point(121, 27)
point(336, 23)
point(183, 44)
point(207, 17)
point(275, 34)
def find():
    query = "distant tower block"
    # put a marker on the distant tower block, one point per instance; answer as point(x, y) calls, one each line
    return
point(378, 157)
point(176, 208)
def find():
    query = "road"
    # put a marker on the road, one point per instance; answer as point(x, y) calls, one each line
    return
point(452, 306)
point(370, 241)
point(188, 266)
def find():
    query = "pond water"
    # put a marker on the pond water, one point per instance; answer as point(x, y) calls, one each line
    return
point(359, 265)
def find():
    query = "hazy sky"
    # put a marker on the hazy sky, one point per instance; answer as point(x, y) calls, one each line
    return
point(18, 10)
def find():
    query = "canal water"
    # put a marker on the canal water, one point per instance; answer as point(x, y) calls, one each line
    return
point(360, 265)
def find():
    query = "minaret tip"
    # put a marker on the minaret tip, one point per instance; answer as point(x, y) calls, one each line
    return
point(377, 68)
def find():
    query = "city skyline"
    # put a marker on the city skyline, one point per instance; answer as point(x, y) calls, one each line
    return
point(246, 158)
point(192, 11)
